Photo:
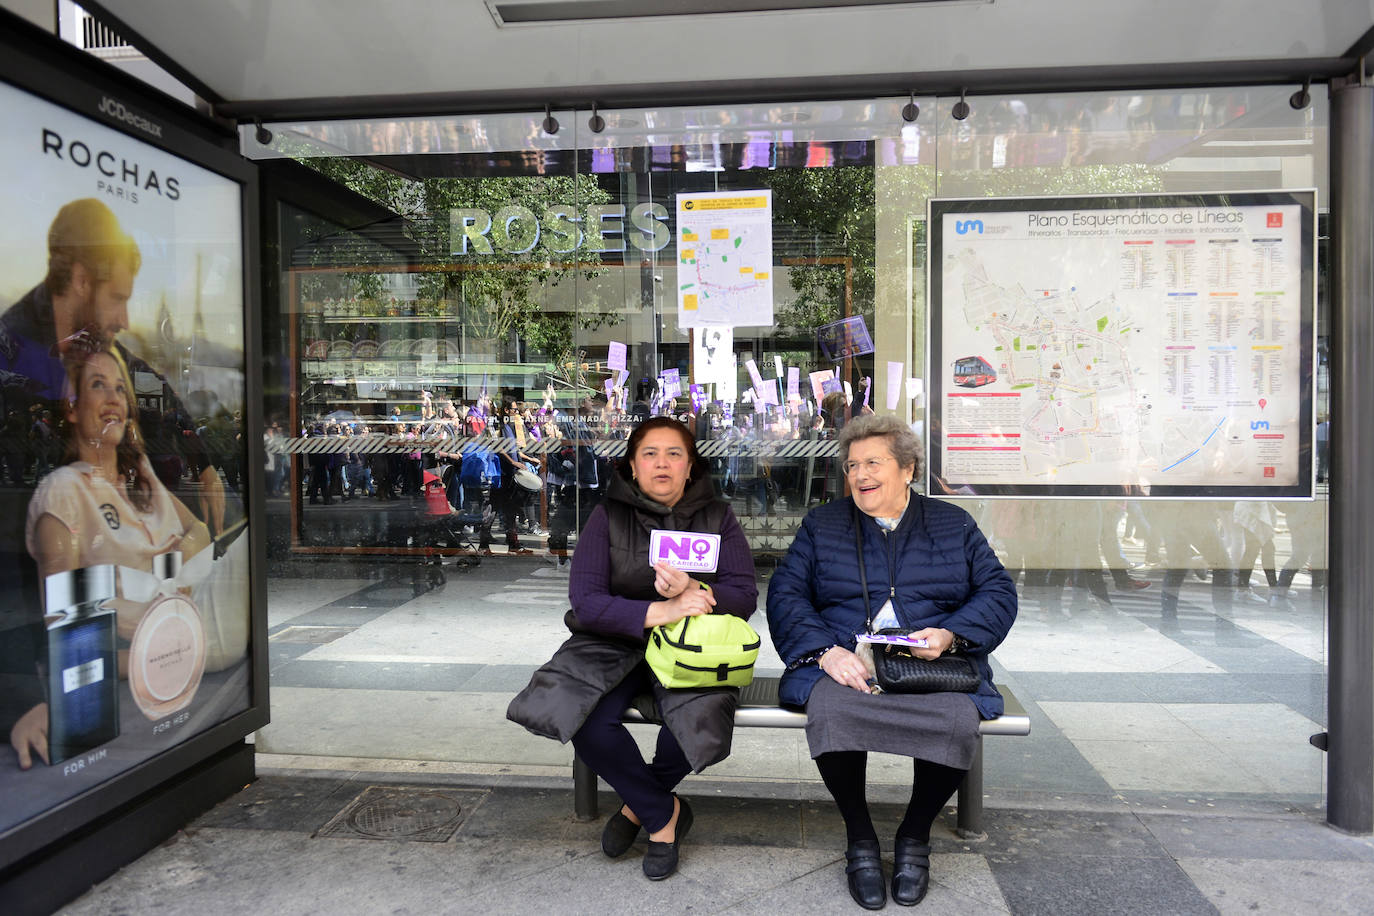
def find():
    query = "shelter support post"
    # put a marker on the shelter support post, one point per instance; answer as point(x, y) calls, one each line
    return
point(1350, 686)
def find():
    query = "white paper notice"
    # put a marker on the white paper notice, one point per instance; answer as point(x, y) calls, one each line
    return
point(793, 383)
point(916, 391)
point(713, 360)
point(615, 356)
point(894, 383)
point(725, 259)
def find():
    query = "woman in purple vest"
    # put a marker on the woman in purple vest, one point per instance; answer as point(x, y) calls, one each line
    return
point(617, 597)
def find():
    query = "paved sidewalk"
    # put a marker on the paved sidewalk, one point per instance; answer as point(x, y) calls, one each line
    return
point(501, 840)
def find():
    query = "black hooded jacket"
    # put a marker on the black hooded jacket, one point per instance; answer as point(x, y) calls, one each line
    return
point(563, 692)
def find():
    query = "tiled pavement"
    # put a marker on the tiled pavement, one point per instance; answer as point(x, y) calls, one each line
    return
point(1168, 770)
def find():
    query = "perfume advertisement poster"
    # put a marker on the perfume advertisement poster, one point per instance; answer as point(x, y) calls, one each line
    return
point(124, 561)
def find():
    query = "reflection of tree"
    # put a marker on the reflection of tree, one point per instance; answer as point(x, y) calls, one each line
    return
point(497, 295)
point(832, 212)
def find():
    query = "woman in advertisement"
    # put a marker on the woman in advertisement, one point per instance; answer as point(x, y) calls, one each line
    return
point(105, 505)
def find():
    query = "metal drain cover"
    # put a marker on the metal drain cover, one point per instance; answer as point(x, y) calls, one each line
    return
point(421, 814)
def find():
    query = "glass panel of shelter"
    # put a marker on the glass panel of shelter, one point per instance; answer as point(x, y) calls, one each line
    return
point(1181, 570)
point(521, 275)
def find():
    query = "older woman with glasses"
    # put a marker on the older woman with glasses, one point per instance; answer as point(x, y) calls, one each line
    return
point(928, 571)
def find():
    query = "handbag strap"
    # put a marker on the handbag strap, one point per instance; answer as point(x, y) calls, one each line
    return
point(863, 573)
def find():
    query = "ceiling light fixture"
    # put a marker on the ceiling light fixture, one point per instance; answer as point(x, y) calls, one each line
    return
point(1303, 97)
point(911, 111)
point(960, 111)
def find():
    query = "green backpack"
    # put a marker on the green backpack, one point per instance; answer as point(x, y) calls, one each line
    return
point(713, 650)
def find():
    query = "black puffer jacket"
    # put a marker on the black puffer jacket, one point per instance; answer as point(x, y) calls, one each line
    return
point(563, 692)
point(936, 568)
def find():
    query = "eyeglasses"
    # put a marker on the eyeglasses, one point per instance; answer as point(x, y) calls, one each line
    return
point(872, 465)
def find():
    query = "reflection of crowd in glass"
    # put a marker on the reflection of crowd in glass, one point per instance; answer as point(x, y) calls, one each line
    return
point(179, 447)
point(472, 453)
point(1212, 541)
point(1100, 538)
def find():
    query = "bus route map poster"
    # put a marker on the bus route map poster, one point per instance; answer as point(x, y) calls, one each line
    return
point(1141, 345)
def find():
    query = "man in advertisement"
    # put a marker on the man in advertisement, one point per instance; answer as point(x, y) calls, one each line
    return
point(78, 309)
point(92, 264)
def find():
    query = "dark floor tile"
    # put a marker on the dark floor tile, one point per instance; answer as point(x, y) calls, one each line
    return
point(1068, 833)
point(333, 615)
point(1196, 688)
point(295, 803)
point(1304, 693)
point(374, 675)
point(388, 593)
point(1269, 658)
point(1051, 686)
point(527, 812)
point(746, 821)
point(1103, 885)
point(508, 679)
point(281, 654)
point(1043, 760)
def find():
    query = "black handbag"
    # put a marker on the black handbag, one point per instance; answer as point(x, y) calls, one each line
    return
point(898, 671)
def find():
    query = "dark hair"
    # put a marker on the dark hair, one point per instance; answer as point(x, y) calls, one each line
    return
point(129, 452)
point(648, 426)
point(86, 232)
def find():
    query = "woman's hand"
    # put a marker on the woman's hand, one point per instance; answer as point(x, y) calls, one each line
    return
point(692, 603)
point(845, 668)
point(938, 640)
point(30, 736)
point(669, 581)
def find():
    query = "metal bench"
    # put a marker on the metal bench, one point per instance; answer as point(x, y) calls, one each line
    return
point(759, 709)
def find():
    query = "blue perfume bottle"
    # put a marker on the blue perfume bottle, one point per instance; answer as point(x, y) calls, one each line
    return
point(83, 677)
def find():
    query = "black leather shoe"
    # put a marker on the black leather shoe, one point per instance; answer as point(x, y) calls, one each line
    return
point(660, 860)
point(619, 835)
point(910, 871)
point(865, 871)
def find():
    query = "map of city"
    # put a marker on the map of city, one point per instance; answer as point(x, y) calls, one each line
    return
point(725, 259)
point(1090, 404)
point(1093, 347)
point(1069, 358)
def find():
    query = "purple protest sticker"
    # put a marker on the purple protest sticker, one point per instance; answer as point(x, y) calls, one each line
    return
point(688, 551)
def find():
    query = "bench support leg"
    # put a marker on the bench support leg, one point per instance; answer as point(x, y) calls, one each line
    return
point(971, 798)
point(584, 790)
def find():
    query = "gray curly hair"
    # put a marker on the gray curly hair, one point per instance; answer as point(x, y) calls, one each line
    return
point(905, 447)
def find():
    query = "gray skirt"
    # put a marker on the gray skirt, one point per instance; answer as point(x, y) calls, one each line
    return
point(939, 727)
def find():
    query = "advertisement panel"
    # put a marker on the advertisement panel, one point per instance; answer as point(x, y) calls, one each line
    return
point(124, 545)
point(1144, 345)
